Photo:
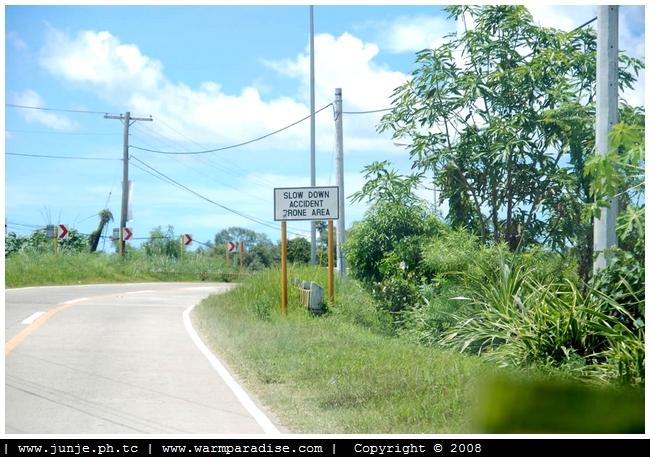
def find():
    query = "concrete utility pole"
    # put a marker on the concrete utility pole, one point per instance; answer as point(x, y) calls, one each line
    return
point(606, 117)
point(340, 228)
point(313, 125)
point(125, 173)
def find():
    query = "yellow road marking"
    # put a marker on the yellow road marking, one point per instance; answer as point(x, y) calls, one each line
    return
point(16, 340)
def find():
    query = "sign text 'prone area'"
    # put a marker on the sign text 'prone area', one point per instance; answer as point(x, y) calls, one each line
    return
point(306, 203)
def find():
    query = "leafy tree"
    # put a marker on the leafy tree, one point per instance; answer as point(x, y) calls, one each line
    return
point(162, 243)
point(322, 245)
point(259, 251)
point(263, 254)
point(249, 237)
point(621, 172)
point(502, 115)
point(298, 250)
point(38, 242)
point(388, 235)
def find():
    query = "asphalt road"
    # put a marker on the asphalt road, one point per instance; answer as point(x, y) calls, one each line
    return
point(118, 359)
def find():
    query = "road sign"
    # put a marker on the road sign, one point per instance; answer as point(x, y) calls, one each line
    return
point(63, 231)
point(116, 234)
point(306, 203)
point(187, 240)
point(232, 246)
point(127, 234)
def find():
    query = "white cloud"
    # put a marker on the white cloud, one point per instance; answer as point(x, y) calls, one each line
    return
point(124, 77)
point(412, 34)
point(561, 17)
point(345, 62)
point(52, 120)
point(16, 41)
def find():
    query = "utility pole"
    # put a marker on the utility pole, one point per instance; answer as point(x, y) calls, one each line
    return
point(606, 117)
point(313, 126)
point(125, 170)
point(340, 231)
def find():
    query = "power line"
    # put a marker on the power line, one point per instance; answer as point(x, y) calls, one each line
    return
point(251, 218)
point(55, 109)
point(208, 161)
point(59, 133)
point(367, 112)
point(235, 145)
point(59, 157)
point(586, 23)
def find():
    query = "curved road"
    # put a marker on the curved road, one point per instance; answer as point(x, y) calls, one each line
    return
point(105, 359)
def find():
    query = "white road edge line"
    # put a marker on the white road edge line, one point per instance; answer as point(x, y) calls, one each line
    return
point(74, 301)
point(241, 395)
point(32, 318)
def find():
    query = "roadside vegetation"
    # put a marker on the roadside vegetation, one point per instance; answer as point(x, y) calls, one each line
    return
point(489, 318)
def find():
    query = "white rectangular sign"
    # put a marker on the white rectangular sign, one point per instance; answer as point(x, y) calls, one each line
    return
point(306, 203)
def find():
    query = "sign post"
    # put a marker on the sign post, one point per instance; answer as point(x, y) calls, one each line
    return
point(61, 232)
point(307, 204)
point(284, 267)
point(231, 246)
point(125, 235)
point(241, 257)
point(186, 240)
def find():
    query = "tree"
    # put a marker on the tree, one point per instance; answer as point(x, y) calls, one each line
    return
point(298, 250)
point(503, 118)
point(237, 234)
point(388, 230)
point(259, 251)
point(105, 216)
point(162, 243)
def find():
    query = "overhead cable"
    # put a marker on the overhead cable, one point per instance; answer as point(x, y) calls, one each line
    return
point(55, 109)
point(59, 157)
point(177, 184)
point(235, 145)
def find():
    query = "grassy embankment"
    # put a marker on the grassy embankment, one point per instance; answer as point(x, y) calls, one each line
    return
point(338, 373)
point(347, 372)
point(24, 270)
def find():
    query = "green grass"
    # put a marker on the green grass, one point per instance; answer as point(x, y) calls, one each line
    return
point(338, 373)
point(41, 269)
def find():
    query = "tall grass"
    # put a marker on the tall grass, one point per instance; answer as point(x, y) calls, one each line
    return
point(515, 320)
point(33, 269)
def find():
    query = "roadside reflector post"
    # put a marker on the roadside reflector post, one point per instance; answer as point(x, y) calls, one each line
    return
point(182, 246)
point(284, 267)
point(227, 258)
point(330, 260)
point(241, 257)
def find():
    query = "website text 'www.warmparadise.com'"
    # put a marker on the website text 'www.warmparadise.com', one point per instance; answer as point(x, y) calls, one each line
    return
point(243, 449)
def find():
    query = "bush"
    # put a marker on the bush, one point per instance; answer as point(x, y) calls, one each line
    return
point(514, 319)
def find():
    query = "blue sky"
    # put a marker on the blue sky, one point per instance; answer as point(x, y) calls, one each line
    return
point(211, 77)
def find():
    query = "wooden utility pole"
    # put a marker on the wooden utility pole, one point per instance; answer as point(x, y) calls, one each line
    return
point(125, 170)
